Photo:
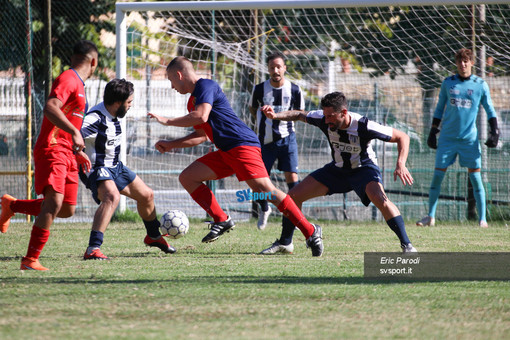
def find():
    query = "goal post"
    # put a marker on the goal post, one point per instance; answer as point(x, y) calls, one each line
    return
point(389, 58)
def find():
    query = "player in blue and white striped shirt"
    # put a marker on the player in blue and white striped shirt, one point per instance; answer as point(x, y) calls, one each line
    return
point(277, 138)
point(457, 109)
point(354, 165)
point(109, 178)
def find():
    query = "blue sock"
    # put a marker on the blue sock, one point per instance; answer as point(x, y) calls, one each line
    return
point(435, 189)
point(96, 239)
point(397, 225)
point(479, 193)
point(287, 232)
point(292, 185)
point(152, 228)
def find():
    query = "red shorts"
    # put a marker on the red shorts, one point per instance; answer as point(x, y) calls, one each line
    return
point(243, 161)
point(58, 169)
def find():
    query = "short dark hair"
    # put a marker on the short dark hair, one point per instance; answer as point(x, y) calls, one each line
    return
point(276, 55)
point(84, 47)
point(335, 100)
point(117, 90)
point(464, 53)
point(179, 63)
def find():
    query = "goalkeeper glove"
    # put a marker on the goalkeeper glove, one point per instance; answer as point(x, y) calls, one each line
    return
point(492, 141)
point(432, 140)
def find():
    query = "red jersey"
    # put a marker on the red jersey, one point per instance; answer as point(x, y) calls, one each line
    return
point(70, 90)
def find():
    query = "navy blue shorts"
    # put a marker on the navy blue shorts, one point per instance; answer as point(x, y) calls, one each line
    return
point(285, 151)
point(120, 174)
point(341, 181)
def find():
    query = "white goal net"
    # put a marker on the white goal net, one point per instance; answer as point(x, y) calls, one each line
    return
point(388, 60)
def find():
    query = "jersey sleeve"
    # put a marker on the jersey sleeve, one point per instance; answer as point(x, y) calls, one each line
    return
point(379, 131)
point(90, 125)
point(486, 102)
point(315, 118)
point(441, 102)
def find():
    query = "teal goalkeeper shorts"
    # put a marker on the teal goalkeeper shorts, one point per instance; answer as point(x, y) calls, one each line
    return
point(469, 152)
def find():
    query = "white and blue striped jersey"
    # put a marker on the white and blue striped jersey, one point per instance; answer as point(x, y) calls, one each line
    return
point(287, 97)
point(458, 105)
point(351, 148)
point(102, 135)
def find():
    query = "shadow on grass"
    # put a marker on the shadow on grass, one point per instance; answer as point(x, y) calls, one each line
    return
point(228, 280)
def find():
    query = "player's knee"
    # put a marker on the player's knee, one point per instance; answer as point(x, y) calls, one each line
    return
point(66, 211)
point(110, 197)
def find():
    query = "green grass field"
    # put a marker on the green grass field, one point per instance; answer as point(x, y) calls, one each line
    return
point(224, 290)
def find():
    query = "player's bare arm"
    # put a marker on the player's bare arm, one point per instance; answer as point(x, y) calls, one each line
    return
point(401, 171)
point(197, 117)
point(292, 115)
point(195, 138)
point(52, 111)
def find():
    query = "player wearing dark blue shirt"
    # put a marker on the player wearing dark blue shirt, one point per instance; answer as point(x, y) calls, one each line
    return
point(239, 153)
point(354, 165)
point(457, 109)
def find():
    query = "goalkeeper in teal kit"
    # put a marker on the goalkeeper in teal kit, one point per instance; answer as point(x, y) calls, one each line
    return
point(457, 108)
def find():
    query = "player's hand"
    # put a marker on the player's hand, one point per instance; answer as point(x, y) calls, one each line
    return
point(268, 111)
point(83, 161)
point(403, 173)
point(492, 140)
point(158, 118)
point(78, 143)
point(432, 140)
point(163, 146)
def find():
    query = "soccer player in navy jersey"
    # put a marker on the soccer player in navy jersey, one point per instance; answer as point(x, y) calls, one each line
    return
point(277, 138)
point(354, 165)
point(456, 112)
point(109, 177)
point(238, 153)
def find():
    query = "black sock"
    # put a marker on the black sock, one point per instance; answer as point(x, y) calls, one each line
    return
point(263, 205)
point(287, 232)
point(152, 228)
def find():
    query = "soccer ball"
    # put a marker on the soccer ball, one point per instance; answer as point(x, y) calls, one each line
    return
point(174, 224)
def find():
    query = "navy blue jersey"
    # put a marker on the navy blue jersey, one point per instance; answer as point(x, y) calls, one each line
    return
point(351, 148)
point(223, 127)
point(287, 97)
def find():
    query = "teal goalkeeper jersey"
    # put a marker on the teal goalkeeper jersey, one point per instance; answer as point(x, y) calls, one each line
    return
point(458, 105)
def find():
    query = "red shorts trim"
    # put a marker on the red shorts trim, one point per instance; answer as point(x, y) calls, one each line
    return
point(58, 169)
point(243, 161)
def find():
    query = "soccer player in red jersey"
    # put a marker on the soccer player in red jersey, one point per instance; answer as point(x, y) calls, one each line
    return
point(57, 153)
point(238, 153)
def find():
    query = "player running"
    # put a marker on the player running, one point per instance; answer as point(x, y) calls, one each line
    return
point(56, 152)
point(239, 153)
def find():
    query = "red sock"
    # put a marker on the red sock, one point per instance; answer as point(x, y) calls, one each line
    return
point(38, 239)
point(205, 198)
point(290, 210)
point(27, 207)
